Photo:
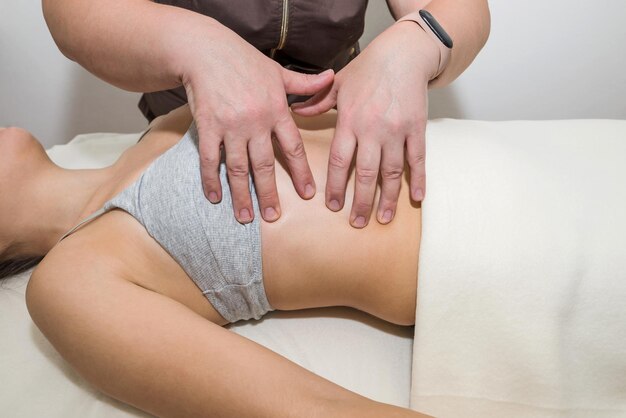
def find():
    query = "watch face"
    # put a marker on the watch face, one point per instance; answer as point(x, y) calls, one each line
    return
point(436, 28)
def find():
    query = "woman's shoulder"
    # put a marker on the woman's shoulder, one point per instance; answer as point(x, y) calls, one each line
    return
point(113, 247)
point(96, 246)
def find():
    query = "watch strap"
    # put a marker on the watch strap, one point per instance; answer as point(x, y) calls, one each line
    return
point(438, 38)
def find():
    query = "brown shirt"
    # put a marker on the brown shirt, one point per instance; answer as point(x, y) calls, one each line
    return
point(303, 35)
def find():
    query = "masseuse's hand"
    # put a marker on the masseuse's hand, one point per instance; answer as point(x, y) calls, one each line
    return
point(238, 98)
point(382, 106)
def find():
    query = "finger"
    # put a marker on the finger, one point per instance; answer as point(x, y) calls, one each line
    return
point(416, 157)
point(209, 147)
point(391, 169)
point(367, 168)
point(262, 161)
point(290, 143)
point(339, 161)
point(237, 169)
point(319, 103)
point(306, 84)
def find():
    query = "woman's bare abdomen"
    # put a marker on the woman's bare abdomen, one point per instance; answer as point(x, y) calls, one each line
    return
point(312, 257)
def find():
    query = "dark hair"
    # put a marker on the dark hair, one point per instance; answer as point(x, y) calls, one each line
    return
point(18, 265)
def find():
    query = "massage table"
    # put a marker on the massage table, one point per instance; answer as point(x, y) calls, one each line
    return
point(521, 308)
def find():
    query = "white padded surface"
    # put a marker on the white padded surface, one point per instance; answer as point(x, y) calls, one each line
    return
point(522, 279)
point(353, 349)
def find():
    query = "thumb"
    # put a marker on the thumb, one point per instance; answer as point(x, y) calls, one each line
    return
point(320, 103)
point(306, 84)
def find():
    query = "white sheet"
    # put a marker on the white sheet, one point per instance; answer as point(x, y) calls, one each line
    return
point(522, 288)
point(357, 351)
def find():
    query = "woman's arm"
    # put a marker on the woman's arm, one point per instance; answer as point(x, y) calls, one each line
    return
point(149, 346)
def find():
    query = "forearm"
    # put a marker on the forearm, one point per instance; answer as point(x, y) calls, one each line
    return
point(466, 21)
point(133, 44)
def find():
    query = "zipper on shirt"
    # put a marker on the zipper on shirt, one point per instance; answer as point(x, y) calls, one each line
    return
point(284, 27)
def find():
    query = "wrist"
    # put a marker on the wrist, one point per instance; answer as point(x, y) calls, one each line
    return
point(190, 38)
point(435, 33)
point(417, 40)
point(179, 35)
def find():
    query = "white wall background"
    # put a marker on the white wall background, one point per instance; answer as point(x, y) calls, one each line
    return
point(545, 59)
point(46, 93)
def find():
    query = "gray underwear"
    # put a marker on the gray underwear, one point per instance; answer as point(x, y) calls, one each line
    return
point(222, 256)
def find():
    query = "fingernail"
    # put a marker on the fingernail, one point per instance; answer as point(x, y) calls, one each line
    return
point(270, 214)
point(418, 195)
point(244, 216)
point(387, 216)
point(309, 191)
point(359, 222)
point(334, 205)
point(213, 197)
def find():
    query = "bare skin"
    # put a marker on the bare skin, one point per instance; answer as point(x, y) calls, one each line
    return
point(382, 118)
point(237, 94)
point(126, 316)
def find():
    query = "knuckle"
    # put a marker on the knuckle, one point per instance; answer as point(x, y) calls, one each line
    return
point(228, 116)
point(347, 114)
point(240, 116)
point(403, 124)
point(263, 166)
point(238, 170)
point(209, 160)
point(295, 150)
point(395, 126)
point(420, 121)
point(337, 160)
point(252, 111)
point(387, 121)
point(416, 158)
point(391, 173)
point(366, 175)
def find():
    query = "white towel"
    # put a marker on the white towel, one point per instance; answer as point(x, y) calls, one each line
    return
point(522, 277)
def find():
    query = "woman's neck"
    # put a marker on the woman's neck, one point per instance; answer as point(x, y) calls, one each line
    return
point(57, 199)
point(62, 197)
